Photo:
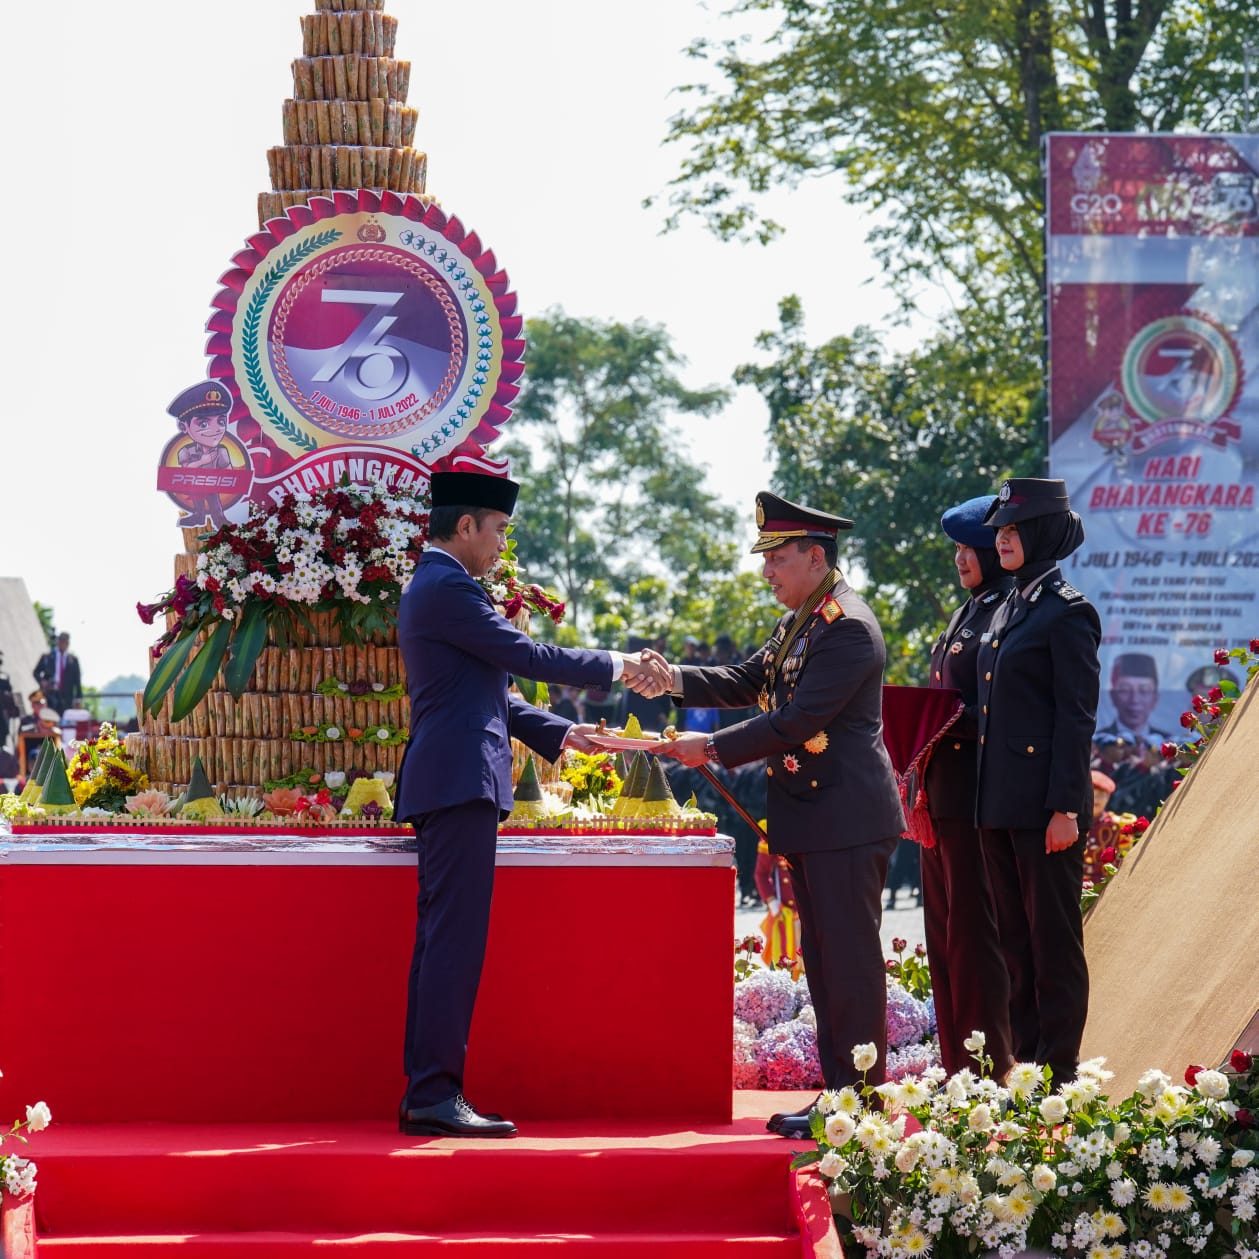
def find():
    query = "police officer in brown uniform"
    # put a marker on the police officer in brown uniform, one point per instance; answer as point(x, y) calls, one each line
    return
point(968, 975)
point(1038, 690)
point(833, 807)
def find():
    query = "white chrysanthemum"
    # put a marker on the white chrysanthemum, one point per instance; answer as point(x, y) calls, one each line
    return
point(1023, 1077)
point(847, 1102)
point(1208, 1150)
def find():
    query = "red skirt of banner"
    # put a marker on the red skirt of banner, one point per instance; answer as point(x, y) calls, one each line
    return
point(915, 719)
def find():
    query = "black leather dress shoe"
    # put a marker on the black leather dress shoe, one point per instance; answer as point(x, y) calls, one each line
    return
point(453, 1118)
point(795, 1128)
point(775, 1121)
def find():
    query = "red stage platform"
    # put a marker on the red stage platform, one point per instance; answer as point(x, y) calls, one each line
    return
point(597, 1188)
point(263, 981)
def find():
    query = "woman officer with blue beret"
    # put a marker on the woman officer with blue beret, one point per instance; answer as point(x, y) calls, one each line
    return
point(968, 975)
point(1038, 689)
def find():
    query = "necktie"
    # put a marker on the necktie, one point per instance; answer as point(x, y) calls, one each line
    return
point(60, 659)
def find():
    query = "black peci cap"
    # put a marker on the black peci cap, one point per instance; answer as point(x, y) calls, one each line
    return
point(1025, 498)
point(474, 489)
point(780, 521)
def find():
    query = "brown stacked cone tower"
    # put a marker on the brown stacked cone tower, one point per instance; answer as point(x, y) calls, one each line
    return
point(348, 125)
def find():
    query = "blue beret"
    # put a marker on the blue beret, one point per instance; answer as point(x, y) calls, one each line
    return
point(965, 522)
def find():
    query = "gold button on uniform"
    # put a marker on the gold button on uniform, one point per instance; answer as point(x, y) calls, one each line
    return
point(987, 677)
point(981, 738)
point(995, 641)
point(769, 769)
point(985, 710)
point(957, 747)
point(1030, 749)
point(813, 783)
point(937, 675)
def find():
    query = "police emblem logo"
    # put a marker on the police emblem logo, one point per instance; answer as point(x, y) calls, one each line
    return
point(1004, 495)
point(955, 649)
point(760, 513)
point(762, 700)
point(967, 633)
point(818, 744)
point(831, 611)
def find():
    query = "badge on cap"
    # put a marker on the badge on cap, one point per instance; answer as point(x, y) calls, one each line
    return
point(760, 513)
point(1004, 495)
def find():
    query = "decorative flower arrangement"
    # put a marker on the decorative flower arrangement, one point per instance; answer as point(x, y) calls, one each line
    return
point(17, 1174)
point(349, 550)
point(1207, 713)
point(964, 1165)
point(594, 778)
point(775, 1027)
point(382, 735)
point(101, 773)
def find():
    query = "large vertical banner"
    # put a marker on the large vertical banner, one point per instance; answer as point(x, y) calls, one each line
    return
point(1153, 274)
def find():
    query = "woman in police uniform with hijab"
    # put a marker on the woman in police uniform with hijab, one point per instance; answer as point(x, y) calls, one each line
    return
point(1038, 688)
point(968, 975)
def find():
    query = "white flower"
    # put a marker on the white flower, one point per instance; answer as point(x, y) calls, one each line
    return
point(19, 1175)
point(1212, 1084)
point(839, 1128)
point(1043, 1178)
point(907, 1157)
point(332, 732)
point(1122, 1133)
point(1243, 1158)
point(980, 1119)
point(831, 1165)
point(1152, 1083)
point(1022, 1078)
point(1053, 1109)
point(333, 779)
point(38, 1117)
point(385, 776)
point(1208, 1150)
point(864, 1056)
point(975, 1042)
point(846, 1101)
point(382, 732)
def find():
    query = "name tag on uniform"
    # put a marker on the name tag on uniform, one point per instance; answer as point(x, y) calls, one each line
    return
point(985, 636)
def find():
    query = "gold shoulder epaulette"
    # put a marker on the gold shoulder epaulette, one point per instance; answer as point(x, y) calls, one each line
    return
point(831, 611)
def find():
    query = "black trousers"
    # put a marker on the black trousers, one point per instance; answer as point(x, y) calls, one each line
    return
point(456, 874)
point(1036, 896)
point(839, 895)
point(968, 972)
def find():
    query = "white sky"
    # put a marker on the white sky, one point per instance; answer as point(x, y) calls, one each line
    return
point(147, 130)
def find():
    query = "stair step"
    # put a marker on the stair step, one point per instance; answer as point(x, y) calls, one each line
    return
point(276, 1245)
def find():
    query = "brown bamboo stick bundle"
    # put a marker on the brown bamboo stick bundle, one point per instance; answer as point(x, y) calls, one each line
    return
point(288, 115)
point(356, 168)
point(370, 46)
point(421, 172)
point(343, 166)
point(345, 32)
point(317, 78)
point(390, 25)
point(410, 116)
point(303, 676)
point(408, 169)
point(364, 111)
point(373, 82)
point(338, 77)
point(356, 30)
point(323, 123)
point(350, 122)
point(404, 78)
point(273, 166)
point(389, 79)
point(303, 79)
point(334, 35)
point(309, 23)
point(369, 167)
point(336, 123)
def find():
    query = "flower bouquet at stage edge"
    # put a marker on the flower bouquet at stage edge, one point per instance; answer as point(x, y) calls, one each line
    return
point(964, 1165)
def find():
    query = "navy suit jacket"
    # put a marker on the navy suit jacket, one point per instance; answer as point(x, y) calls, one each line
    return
point(459, 654)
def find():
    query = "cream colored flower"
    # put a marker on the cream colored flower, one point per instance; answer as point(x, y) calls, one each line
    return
point(1152, 1083)
point(839, 1128)
point(975, 1041)
point(1043, 1178)
point(980, 1119)
point(1053, 1109)
point(38, 1117)
point(1023, 1077)
point(1243, 1158)
point(1212, 1084)
point(864, 1056)
point(846, 1102)
point(831, 1165)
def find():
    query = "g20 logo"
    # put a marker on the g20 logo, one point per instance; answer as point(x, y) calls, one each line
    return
point(1095, 203)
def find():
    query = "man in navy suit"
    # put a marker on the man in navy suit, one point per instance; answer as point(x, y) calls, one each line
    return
point(456, 777)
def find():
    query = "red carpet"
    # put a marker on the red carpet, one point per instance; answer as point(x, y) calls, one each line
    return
point(270, 1190)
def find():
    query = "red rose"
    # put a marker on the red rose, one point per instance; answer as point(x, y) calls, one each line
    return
point(1108, 856)
point(1177, 783)
point(1254, 645)
point(1170, 751)
point(1191, 1074)
point(1221, 656)
point(1198, 703)
point(1240, 1060)
point(1215, 694)
point(899, 945)
point(1188, 720)
point(1244, 1118)
point(920, 950)
point(891, 965)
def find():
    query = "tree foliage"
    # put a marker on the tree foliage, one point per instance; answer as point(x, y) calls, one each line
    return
point(612, 510)
point(890, 441)
point(934, 110)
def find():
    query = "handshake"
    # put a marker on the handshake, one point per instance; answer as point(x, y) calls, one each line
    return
point(648, 673)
